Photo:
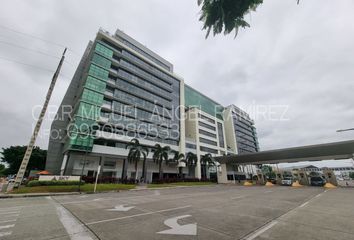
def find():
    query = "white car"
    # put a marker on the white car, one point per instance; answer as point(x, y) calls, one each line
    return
point(287, 181)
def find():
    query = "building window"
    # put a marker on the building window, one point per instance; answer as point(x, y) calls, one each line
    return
point(206, 118)
point(209, 150)
point(206, 133)
point(191, 146)
point(207, 126)
point(207, 141)
point(109, 164)
point(221, 135)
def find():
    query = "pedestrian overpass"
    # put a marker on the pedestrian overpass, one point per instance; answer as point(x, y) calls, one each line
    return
point(318, 152)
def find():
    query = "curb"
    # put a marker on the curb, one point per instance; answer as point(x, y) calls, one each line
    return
point(161, 188)
point(26, 195)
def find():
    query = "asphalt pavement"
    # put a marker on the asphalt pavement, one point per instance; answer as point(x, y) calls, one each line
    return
point(208, 212)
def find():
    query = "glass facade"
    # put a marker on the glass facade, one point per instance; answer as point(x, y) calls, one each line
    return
point(139, 97)
point(246, 136)
point(221, 135)
point(194, 98)
point(88, 111)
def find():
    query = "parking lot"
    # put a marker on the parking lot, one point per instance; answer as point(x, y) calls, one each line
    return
point(210, 212)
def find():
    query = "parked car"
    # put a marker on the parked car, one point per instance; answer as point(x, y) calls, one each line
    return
point(287, 181)
point(272, 180)
point(317, 181)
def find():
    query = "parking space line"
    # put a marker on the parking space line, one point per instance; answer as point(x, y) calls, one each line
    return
point(10, 209)
point(72, 226)
point(239, 197)
point(138, 215)
point(260, 231)
point(7, 221)
point(3, 234)
point(304, 204)
point(4, 213)
point(7, 226)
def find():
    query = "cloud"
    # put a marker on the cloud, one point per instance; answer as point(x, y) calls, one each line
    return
point(298, 56)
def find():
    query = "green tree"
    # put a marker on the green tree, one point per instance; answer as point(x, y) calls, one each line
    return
point(206, 161)
point(160, 155)
point(2, 170)
point(177, 158)
point(13, 157)
point(268, 171)
point(225, 15)
point(135, 152)
point(351, 175)
point(191, 161)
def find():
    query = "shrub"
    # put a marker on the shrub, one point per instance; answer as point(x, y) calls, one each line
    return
point(35, 183)
point(176, 180)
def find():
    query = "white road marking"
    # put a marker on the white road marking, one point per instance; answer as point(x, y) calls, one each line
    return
point(318, 195)
point(138, 215)
point(98, 199)
point(10, 209)
point(10, 215)
point(239, 197)
point(157, 193)
point(268, 191)
point(1, 213)
point(72, 226)
point(303, 205)
point(7, 226)
point(176, 229)
point(6, 221)
point(260, 231)
point(121, 208)
point(3, 234)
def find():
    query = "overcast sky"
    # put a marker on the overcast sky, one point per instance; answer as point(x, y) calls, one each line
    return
point(292, 70)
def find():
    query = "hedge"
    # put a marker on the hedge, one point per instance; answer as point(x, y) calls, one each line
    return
point(35, 183)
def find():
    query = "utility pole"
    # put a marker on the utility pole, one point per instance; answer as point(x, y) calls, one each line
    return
point(25, 160)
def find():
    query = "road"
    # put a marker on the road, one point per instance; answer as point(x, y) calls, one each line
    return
point(209, 212)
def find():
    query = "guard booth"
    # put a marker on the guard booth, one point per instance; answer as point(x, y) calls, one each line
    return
point(261, 179)
point(330, 176)
point(278, 176)
point(301, 176)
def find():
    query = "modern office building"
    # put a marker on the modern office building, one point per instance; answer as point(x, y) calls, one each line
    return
point(243, 129)
point(121, 90)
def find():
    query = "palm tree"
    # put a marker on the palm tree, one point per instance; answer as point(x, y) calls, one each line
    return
point(206, 161)
point(134, 155)
point(191, 161)
point(160, 155)
point(226, 15)
point(177, 158)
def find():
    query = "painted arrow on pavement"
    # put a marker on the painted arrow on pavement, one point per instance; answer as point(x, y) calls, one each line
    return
point(176, 229)
point(121, 208)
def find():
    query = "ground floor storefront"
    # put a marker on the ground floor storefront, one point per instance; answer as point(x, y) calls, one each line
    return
point(88, 165)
